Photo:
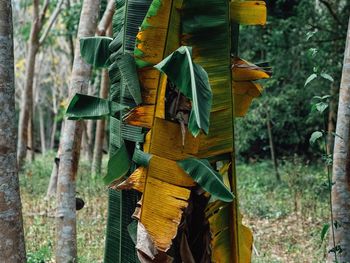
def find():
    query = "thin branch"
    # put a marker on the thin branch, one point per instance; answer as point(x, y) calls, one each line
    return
point(106, 19)
point(43, 13)
point(331, 11)
point(52, 20)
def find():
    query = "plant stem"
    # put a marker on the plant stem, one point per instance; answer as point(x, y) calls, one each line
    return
point(329, 186)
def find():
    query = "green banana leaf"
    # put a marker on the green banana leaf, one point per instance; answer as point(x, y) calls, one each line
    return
point(127, 68)
point(141, 158)
point(118, 165)
point(192, 80)
point(211, 181)
point(95, 51)
point(90, 107)
point(119, 246)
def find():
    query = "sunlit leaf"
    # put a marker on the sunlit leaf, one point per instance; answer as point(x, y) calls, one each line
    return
point(315, 136)
point(310, 78)
point(327, 77)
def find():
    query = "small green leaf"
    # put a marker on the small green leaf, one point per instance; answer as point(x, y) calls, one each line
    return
point(321, 106)
point(95, 50)
point(324, 231)
point(327, 77)
point(315, 136)
point(211, 181)
point(310, 78)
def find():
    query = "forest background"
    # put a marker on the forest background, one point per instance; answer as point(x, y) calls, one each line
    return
point(301, 38)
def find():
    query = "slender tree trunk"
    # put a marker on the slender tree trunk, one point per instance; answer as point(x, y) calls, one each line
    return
point(272, 146)
point(31, 143)
point(27, 95)
point(26, 105)
point(12, 248)
point(341, 165)
point(52, 189)
point(332, 115)
point(66, 247)
point(53, 132)
point(42, 131)
point(100, 128)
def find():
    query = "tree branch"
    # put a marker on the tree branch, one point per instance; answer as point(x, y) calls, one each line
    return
point(106, 19)
point(43, 13)
point(331, 11)
point(52, 20)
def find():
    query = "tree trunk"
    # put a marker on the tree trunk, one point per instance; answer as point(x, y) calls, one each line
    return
point(30, 143)
point(100, 128)
point(12, 249)
point(26, 105)
point(332, 115)
point(341, 165)
point(42, 131)
point(272, 147)
point(52, 189)
point(66, 247)
point(53, 133)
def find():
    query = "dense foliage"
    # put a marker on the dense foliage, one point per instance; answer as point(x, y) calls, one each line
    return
point(301, 37)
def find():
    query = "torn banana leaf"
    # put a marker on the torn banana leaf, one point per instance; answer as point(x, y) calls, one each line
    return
point(135, 181)
point(192, 81)
point(88, 107)
point(243, 70)
point(244, 93)
point(162, 207)
point(141, 116)
point(248, 12)
point(95, 51)
point(213, 54)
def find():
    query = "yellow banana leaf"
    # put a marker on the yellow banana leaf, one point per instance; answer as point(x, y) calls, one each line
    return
point(135, 181)
point(162, 207)
point(141, 116)
point(218, 215)
point(249, 12)
point(243, 70)
point(244, 93)
point(167, 141)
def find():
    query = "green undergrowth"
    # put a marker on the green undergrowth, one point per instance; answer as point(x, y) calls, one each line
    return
point(38, 212)
point(287, 216)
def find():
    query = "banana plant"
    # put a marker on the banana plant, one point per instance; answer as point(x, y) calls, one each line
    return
point(176, 88)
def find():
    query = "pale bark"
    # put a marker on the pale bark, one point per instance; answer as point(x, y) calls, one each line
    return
point(100, 128)
point(42, 131)
point(12, 249)
point(341, 167)
point(26, 105)
point(52, 189)
point(27, 96)
point(106, 18)
point(66, 246)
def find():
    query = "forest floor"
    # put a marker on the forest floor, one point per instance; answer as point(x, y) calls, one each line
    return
point(286, 217)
